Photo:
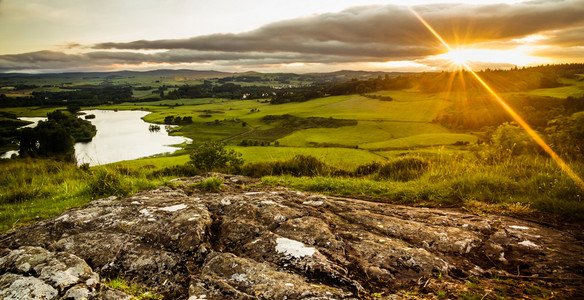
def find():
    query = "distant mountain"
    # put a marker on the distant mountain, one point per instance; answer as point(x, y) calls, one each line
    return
point(201, 74)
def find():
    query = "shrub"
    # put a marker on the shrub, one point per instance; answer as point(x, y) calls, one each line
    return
point(299, 165)
point(404, 169)
point(514, 140)
point(105, 182)
point(367, 169)
point(214, 156)
point(176, 171)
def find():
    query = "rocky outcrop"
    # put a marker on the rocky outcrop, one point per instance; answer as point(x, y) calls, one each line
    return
point(36, 273)
point(274, 243)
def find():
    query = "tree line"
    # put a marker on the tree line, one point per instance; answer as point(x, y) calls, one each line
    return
point(55, 137)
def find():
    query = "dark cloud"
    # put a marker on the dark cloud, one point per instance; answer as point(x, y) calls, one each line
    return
point(572, 37)
point(55, 60)
point(359, 34)
point(385, 31)
point(569, 54)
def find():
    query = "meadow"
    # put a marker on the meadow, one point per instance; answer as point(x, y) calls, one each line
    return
point(360, 139)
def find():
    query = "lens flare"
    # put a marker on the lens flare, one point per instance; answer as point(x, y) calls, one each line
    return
point(563, 165)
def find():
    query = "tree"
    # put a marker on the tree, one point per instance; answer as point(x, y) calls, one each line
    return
point(47, 139)
point(566, 135)
point(168, 119)
point(214, 156)
point(514, 140)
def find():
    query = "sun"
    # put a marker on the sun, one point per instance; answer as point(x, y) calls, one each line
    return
point(458, 57)
point(461, 58)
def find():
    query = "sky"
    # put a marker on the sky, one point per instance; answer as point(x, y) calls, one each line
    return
point(301, 36)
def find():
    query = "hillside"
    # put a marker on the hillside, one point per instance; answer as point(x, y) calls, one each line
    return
point(250, 242)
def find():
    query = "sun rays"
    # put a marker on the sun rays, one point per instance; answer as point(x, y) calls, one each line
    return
point(462, 58)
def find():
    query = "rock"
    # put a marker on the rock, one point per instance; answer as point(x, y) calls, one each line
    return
point(13, 286)
point(36, 273)
point(226, 274)
point(274, 243)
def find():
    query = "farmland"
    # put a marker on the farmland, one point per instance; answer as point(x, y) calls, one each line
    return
point(451, 133)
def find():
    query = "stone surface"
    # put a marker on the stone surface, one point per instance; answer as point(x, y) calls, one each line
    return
point(274, 243)
point(35, 273)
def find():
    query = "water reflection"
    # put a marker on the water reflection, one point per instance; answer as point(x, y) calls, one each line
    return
point(121, 135)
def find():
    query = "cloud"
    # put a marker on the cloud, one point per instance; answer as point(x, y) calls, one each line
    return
point(567, 38)
point(70, 45)
point(359, 34)
point(384, 31)
point(42, 60)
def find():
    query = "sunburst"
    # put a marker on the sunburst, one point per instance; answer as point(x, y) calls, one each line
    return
point(462, 59)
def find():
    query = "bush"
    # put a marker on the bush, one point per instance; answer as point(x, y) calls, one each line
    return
point(105, 182)
point(176, 171)
point(367, 169)
point(514, 140)
point(404, 169)
point(299, 165)
point(215, 157)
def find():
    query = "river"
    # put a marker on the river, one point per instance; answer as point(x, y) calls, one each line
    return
point(121, 135)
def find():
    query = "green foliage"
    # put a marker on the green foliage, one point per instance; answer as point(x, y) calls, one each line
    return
point(55, 137)
point(81, 130)
point(137, 291)
point(105, 182)
point(566, 135)
point(299, 165)
point(176, 171)
point(513, 140)
point(521, 186)
point(403, 169)
point(214, 156)
point(400, 169)
point(36, 189)
point(212, 185)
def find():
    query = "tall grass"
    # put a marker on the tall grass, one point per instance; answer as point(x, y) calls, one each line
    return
point(33, 190)
point(530, 186)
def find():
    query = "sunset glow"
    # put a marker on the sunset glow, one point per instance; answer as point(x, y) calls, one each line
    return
point(227, 35)
point(460, 58)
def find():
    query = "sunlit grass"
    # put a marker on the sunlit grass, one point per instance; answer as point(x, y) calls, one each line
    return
point(32, 190)
point(342, 158)
point(431, 139)
point(527, 187)
point(364, 132)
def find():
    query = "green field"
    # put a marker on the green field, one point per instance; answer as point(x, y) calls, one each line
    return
point(573, 87)
point(370, 147)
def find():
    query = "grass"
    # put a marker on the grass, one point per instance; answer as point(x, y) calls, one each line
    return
point(572, 87)
point(430, 139)
point(32, 190)
point(342, 158)
point(137, 291)
point(404, 122)
point(386, 137)
point(212, 185)
point(364, 132)
point(33, 111)
point(524, 186)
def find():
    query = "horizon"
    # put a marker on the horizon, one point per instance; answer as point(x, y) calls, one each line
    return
point(297, 73)
point(303, 37)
